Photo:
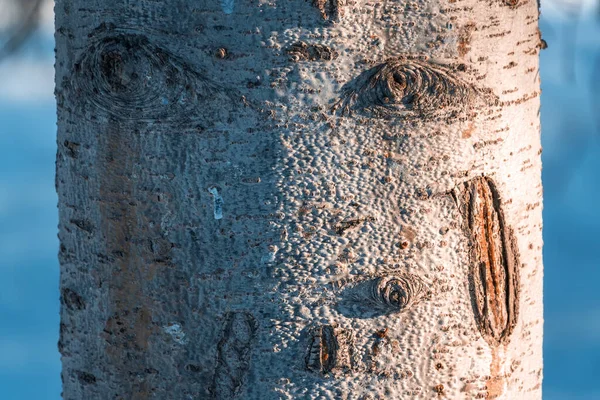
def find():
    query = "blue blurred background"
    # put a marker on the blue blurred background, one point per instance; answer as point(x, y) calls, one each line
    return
point(570, 72)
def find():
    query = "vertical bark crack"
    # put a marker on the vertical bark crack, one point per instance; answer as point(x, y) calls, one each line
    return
point(494, 273)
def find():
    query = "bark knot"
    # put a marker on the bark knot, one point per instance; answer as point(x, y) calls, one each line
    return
point(403, 87)
point(125, 76)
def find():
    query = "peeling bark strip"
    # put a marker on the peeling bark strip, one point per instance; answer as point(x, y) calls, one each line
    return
point(331, 10)
point(494, 274)
point(401, 87)
point(125, 76)
point(233, 354)
point(301, 51)
point(329, 349)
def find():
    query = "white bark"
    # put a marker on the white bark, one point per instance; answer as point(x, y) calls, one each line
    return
point(293, 199)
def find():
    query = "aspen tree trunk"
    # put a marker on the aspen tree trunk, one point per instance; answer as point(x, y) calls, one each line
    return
point(277, 199)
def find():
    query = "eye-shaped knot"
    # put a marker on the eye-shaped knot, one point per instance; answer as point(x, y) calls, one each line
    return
point(126, 76)
point(382, 295)
point(401, 87)
point(397, 293)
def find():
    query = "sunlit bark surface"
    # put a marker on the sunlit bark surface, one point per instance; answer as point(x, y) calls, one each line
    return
point(299, 199)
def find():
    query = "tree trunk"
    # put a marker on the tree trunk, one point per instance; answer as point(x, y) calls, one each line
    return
point(299, 199)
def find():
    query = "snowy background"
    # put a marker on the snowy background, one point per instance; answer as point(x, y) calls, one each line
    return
point(570, 71)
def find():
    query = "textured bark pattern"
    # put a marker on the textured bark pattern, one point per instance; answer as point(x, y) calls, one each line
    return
point(494, 275)
point(233, 354)
point(224, 234)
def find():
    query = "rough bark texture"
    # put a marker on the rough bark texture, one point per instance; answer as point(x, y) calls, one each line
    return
point(299, 199)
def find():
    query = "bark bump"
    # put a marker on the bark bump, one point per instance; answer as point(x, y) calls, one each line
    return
point(404, 87)
point(233, 354)
point(302, 51)
point(331, 10)
point(494, 272)
point(329, 349)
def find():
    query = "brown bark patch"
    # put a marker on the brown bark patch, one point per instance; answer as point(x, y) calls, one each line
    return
point(132, 247)
point(467, 133)
point(495, 384)
point(464, 38)
point(494, 271)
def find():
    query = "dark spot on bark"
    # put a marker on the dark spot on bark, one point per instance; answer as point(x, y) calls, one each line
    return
point(233, 354)
point(193, 368)
point(221, 53)
point(83, 224)
point(71, 299)
point(494, 271)
point(62, 333)
point(329, 349)
point(422, 193)
point(301, 51)
point(85, 378)
point(72, 148)
point(349, 224)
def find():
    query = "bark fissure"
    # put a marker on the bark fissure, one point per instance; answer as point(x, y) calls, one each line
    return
point(494, 274)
